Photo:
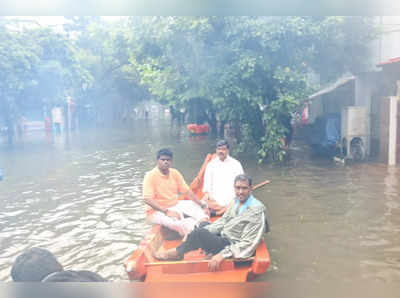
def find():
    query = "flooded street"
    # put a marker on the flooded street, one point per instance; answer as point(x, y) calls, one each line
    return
point(329, 222)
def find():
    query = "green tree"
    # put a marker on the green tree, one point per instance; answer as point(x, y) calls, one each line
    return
point(39, 68)
point(103, 50)
point(253, 70)
point(19, 55)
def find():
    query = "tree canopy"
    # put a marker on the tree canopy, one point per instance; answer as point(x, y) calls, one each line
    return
point(248, 72)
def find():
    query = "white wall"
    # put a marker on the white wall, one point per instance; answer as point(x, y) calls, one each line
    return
point(388, 45)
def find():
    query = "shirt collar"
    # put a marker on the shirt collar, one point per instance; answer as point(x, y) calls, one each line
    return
point(161, 174)
point(245, 205)
point(44, 279)
point(225, 160)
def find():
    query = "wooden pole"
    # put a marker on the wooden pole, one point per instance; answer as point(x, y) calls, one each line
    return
point(260, 184)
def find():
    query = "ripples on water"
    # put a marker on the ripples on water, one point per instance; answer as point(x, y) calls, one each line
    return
point(329, 222)
point(93, 213)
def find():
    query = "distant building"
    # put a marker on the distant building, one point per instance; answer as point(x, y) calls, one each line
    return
point(373, 90)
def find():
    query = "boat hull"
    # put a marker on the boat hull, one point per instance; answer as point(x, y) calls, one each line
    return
point(141, 265)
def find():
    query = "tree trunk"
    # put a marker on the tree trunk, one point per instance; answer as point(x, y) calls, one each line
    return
point(236, 131)
point(212, 120)
point(9, 123)
point(10, 132)
point(221, 132)
point(66, 125)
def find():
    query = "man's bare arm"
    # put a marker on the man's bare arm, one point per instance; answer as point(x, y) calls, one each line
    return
point(156, 206)
point(190, 195)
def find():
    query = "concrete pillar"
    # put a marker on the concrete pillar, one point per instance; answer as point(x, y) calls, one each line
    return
point(392, 130)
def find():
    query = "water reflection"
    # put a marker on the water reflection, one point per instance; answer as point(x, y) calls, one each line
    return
point(86, 210)
point(385, 265)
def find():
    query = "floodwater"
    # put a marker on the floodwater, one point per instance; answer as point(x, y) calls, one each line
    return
point(329, 222)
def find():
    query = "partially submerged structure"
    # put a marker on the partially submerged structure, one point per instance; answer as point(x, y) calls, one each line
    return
point(367, 102)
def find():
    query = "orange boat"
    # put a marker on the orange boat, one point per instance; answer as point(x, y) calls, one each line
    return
point(142, 266)
point(198, 129)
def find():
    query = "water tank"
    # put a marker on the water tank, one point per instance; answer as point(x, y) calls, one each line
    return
point(354, 132)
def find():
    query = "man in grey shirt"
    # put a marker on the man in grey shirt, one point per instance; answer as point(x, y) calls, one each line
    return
point(235, 235)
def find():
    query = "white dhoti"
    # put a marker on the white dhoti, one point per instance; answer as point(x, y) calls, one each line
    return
point(193, 212)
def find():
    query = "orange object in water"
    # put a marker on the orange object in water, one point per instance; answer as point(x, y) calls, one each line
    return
point(141, 265)
point(198, 129)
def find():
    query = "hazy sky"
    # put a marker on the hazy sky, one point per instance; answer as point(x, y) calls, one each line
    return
point(55, 20)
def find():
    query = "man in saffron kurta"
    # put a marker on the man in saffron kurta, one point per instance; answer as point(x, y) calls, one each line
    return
point(162, 188)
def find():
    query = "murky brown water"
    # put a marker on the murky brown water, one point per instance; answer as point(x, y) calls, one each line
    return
point(329, 222)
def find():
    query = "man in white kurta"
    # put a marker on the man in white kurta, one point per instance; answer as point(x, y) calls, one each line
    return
point(219, 179)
